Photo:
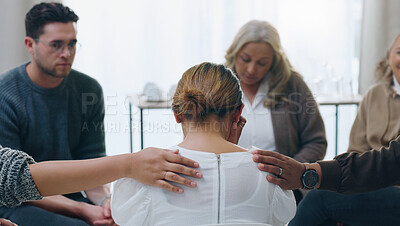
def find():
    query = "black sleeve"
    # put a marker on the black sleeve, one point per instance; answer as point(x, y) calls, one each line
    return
point(354, 172)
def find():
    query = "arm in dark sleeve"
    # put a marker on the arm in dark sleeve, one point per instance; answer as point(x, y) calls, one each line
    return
point(16, 183)
point(354, 172)
point(92, 143)
point(311, 127)
point(10, 122)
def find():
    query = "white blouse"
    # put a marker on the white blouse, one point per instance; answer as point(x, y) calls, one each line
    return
point(232, 190)
point(396, 85)
point(258, 130)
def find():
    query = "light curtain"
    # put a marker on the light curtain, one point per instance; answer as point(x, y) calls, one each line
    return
point(381, 23)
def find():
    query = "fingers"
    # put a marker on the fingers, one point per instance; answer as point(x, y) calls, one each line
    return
point(172, 177)
point(173, 157)
point(267, 160)
point(167, 186)
point(278, 181)
point(242, 121)
point(107, 207)
point(240, 125)
point(270, 169)
point(102, 222)
point(269, 153)
point(6, 222)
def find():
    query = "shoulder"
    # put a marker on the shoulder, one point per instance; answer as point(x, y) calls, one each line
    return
point(376, 93)
point(297, 91)
point(379, 88)
point(83, 83)
point(12, 87)
point(296, 83)
point(10, 77)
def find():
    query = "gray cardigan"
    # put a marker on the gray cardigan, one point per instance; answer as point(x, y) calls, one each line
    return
point(298, 127)
point(16, 183)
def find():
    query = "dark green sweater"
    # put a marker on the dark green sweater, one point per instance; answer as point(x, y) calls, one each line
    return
point(62, 123)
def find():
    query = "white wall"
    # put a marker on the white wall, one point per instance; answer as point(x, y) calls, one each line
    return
point(12, 30)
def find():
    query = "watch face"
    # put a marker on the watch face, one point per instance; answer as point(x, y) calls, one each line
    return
point(310, 179)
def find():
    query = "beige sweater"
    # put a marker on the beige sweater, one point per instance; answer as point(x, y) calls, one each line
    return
point(377, 121)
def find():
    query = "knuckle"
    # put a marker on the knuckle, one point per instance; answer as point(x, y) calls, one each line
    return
point(165, 185)
point(193, 172)
point(175, 189)
point(174, 177)
point(179, 158)
point(180, 168)
point(186, 181)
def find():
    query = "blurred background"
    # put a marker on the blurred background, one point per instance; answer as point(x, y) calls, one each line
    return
point(334, 44)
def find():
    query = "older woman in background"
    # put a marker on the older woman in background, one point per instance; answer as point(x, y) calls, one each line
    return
point(280, 109)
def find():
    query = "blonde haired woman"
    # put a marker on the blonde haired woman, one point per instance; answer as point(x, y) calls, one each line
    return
point(207, 102)
point(378, 117)
point(280, 109)
point(281, 112)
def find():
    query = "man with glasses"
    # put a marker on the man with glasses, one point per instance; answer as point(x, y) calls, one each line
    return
point(53, 112)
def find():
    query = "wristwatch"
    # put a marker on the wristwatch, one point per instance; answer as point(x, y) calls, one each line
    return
point(310, 179)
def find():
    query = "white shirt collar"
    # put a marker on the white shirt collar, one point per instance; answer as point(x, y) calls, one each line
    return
point(262, 93)
point(396, 85)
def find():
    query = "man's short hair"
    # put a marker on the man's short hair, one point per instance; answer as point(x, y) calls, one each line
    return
point(44, 13)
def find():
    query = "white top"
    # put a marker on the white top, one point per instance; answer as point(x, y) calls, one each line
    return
point(258, 130)
point(232, 190)
point(396, 85)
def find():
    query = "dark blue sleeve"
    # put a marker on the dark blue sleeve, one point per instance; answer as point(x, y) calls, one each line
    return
point(10, 122)
point(92, 139)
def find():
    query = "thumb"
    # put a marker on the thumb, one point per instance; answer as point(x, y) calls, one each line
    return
point(107, 212)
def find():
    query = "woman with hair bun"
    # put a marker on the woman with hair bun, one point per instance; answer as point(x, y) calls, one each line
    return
point(207, 103)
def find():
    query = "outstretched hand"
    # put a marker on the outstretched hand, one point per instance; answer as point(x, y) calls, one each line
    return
point(158, 167)
point(290, 176)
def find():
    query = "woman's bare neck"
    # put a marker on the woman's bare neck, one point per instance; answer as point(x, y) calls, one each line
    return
point(209, 142)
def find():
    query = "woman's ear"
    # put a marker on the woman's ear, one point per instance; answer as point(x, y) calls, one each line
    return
point(238, 113)
point(178, 118)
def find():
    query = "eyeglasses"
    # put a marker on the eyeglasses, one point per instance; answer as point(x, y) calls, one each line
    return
point(58, 46)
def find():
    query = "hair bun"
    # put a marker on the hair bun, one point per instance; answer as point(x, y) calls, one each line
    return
point(194, 95)
point(193, 103)
point(206, 89)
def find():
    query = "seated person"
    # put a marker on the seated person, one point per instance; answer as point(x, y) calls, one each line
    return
point(376, 124)
point(207, 103)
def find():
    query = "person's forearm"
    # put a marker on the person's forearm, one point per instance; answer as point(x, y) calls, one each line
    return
point(74, 176)
point(60, 204)
point(354, 173)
